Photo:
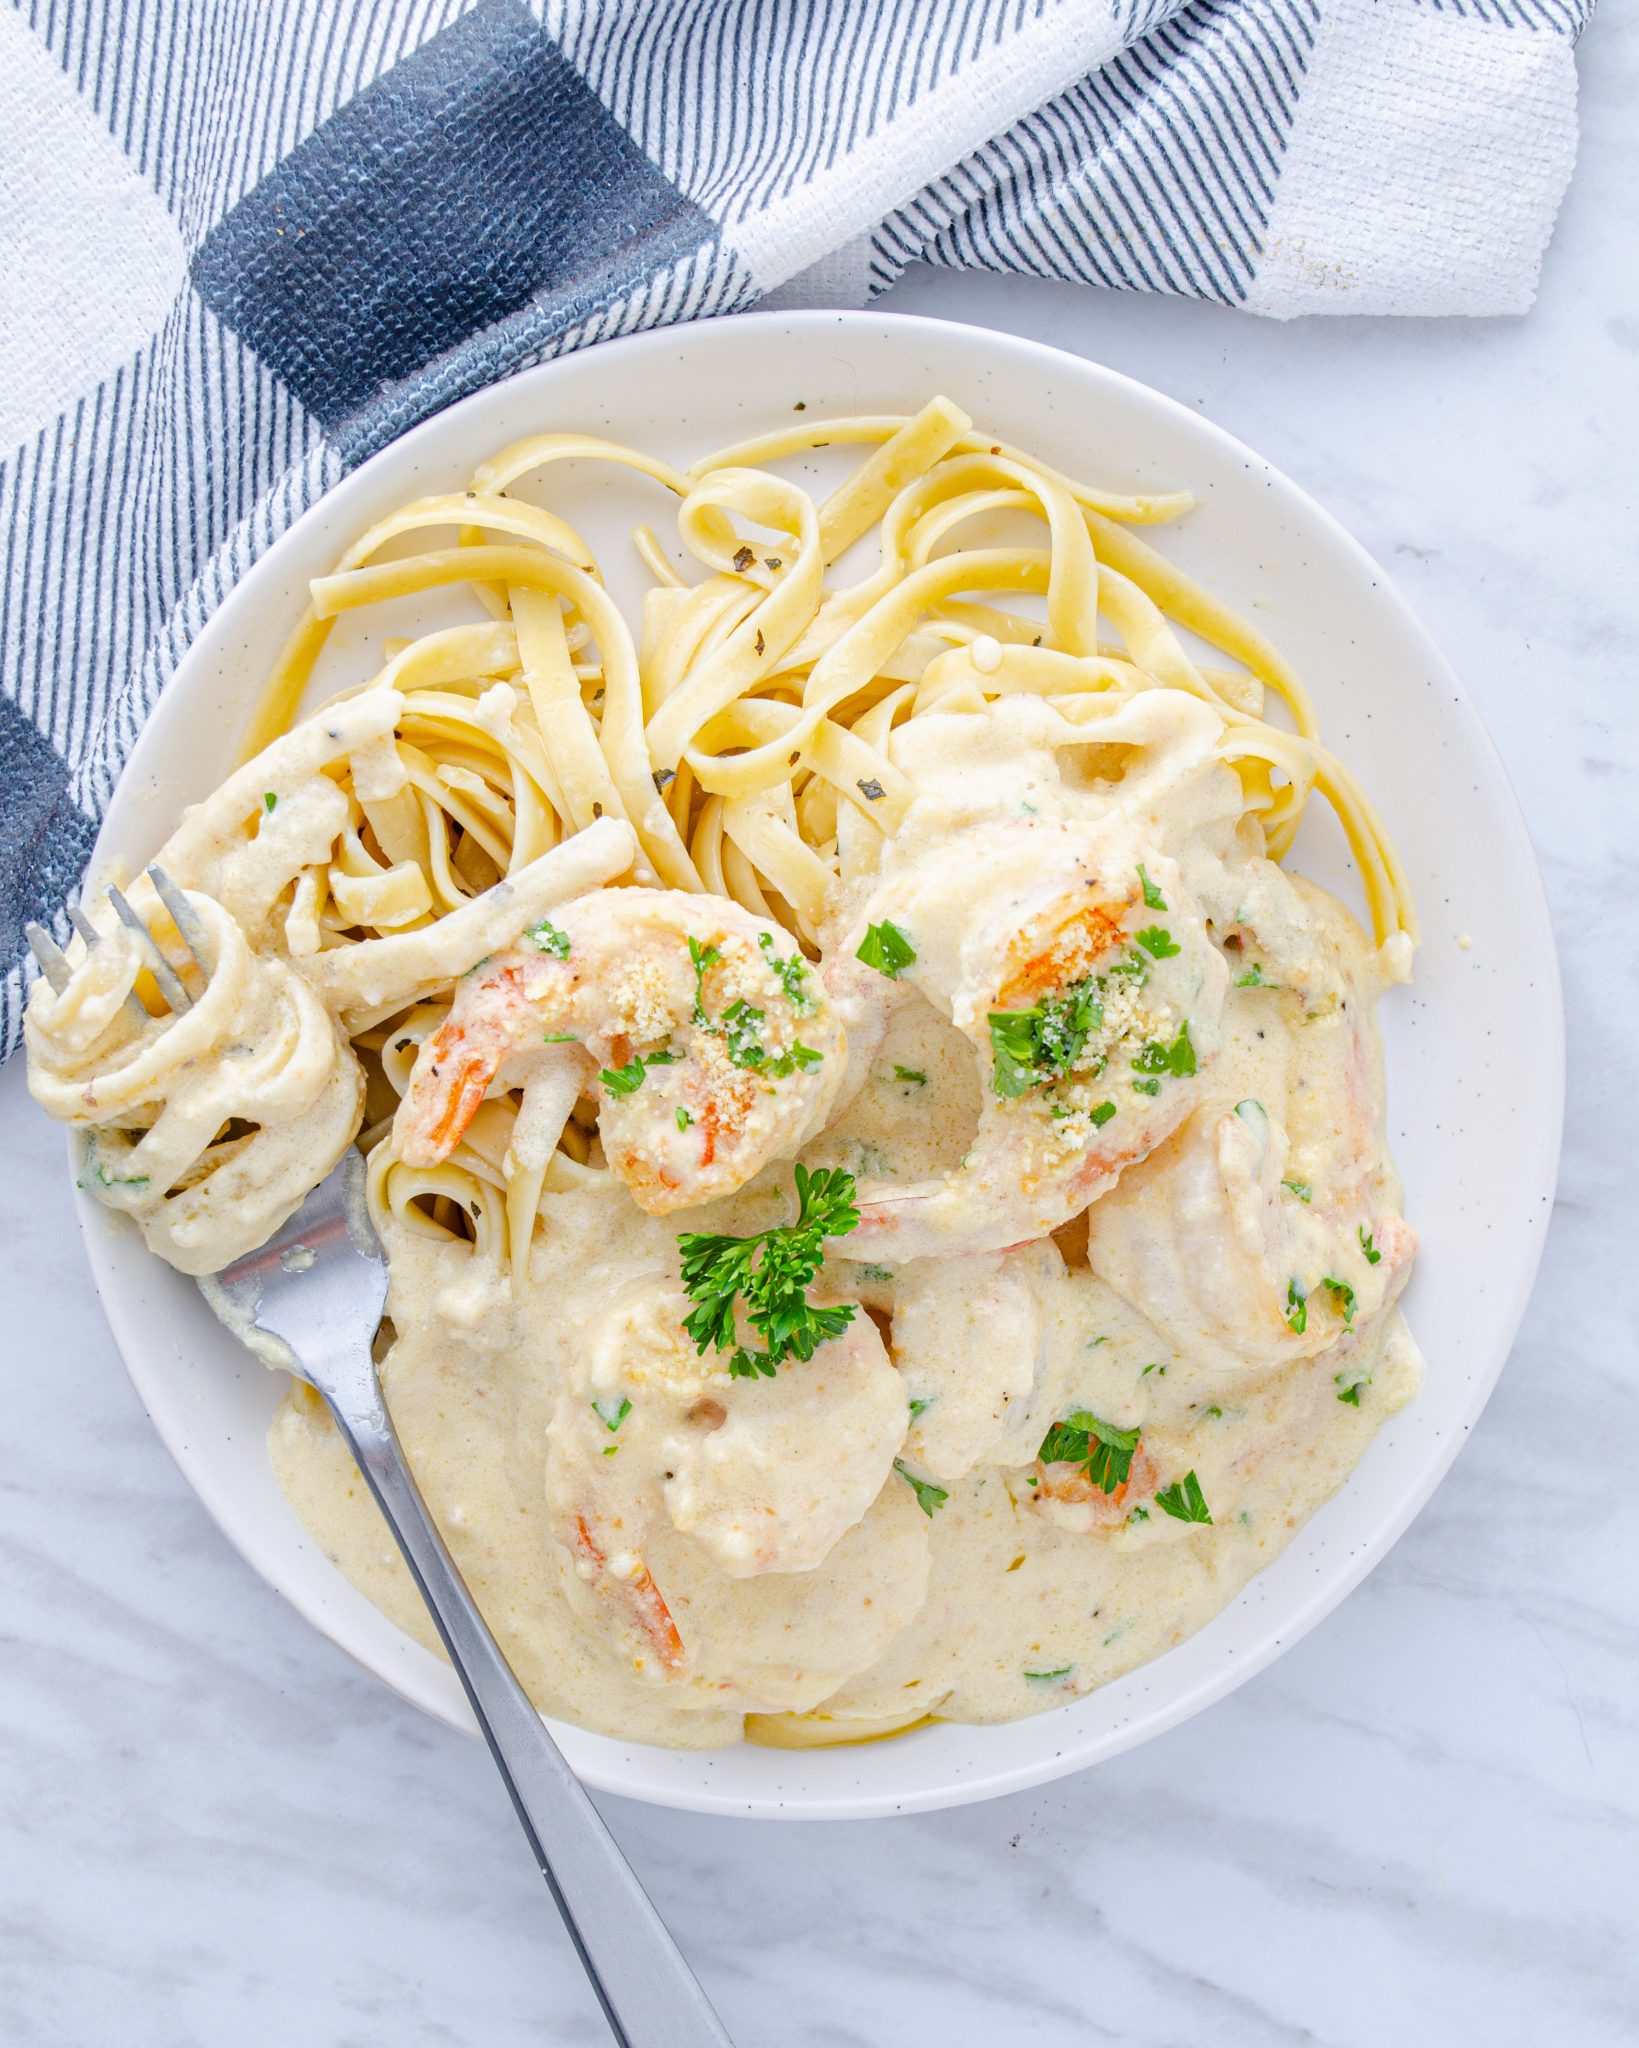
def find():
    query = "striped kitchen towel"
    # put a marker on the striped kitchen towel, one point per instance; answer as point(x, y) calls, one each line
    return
point(249, 241)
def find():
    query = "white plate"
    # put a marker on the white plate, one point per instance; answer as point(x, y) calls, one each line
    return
point(1475, 1048)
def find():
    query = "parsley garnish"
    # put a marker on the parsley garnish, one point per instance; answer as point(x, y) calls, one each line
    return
point(1342, 1296)
point(1160, 1370)
point(1183, 1500)
point(1146, 1087)
point(1300, 1188)
point(1351, 1392)
point(1048, 1677)
point(105, 1179)
point(1043, 1043)
point(269, 799)
point(1083, 1439)
point(560, 1038)
point(792, 974)
point(1297, 1309)
point(922, 1401)
point(770, 1272)
point(1366, 1245)
point(611, 1413)
point(911, 1074)
point(1158, 942)
point(627, 1080)
point(703, 957)
point(1139, 1515)
point(1177, 1058)
point(683, 1118)
point(887, 949)
point(1153, 899)
point(1101, 1113)
point(550, 939)
point(745, 1046)
point(928, 1496)
point(1253, 978)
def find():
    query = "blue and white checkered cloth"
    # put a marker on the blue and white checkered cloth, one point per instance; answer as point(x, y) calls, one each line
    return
point(249, 241)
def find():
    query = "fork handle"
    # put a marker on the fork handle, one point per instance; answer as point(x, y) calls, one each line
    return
point(649, 1995)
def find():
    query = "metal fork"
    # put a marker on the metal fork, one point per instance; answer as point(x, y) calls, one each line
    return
point(57, 968)
point(310, 1300)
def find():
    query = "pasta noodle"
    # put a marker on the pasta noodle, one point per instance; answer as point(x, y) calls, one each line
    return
point(741, 741)
point(916, 843)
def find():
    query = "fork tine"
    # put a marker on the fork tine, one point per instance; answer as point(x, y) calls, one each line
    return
point(183, 916)
point(53, 961)
point(93, 938)
point(170, 987)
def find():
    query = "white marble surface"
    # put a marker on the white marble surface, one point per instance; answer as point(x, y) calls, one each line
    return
point(1422, 1825)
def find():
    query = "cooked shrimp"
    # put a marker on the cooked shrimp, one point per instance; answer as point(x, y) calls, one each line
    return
point(1067, 1495)
point(1074, 961)
point(651, 1442)
point(980, 1347)
point(711, 1044)
point(1268, 1229)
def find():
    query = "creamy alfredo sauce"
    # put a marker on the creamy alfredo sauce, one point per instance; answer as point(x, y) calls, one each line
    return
point(1230, 1296)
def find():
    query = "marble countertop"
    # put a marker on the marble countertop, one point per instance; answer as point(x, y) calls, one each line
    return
point(1421, 1825)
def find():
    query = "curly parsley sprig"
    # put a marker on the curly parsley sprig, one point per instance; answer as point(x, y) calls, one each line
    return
point(770, 1272)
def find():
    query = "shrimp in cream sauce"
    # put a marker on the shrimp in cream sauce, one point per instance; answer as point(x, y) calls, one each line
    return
point(1123, 1295)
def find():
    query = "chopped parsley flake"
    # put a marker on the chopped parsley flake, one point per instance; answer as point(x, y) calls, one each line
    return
point(1297, 1309)
point(1342, 1296)
point(1153, 899)
point(1366, 1245)
point(269, 800)
point(1177, 1058)
point(1349, 1390)
point(1158, 942)
point(1160, 1372)
point(612, 1413)
point(1183, 1500)
point(914, 1075)
point(1043, 1043)
point(1253, 978)
point(703, 958)
point(550, 939)
point(627, 1080)
point(922, 1401)
point(1146, 1087)
point(745, 1045)
point(1049, 1677)
point(683, 1118)
point(928, 1496)
point(1104, 1451)
point(1139, 1515)
point(99, 1174)
point(793, 974)
point(887, 949)
point(1300, 1188)
point(1101, 1113)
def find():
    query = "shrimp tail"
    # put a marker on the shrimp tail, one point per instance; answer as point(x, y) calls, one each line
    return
point(463, 1076)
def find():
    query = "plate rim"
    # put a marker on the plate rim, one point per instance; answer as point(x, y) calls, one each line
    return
point(597, 1757)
